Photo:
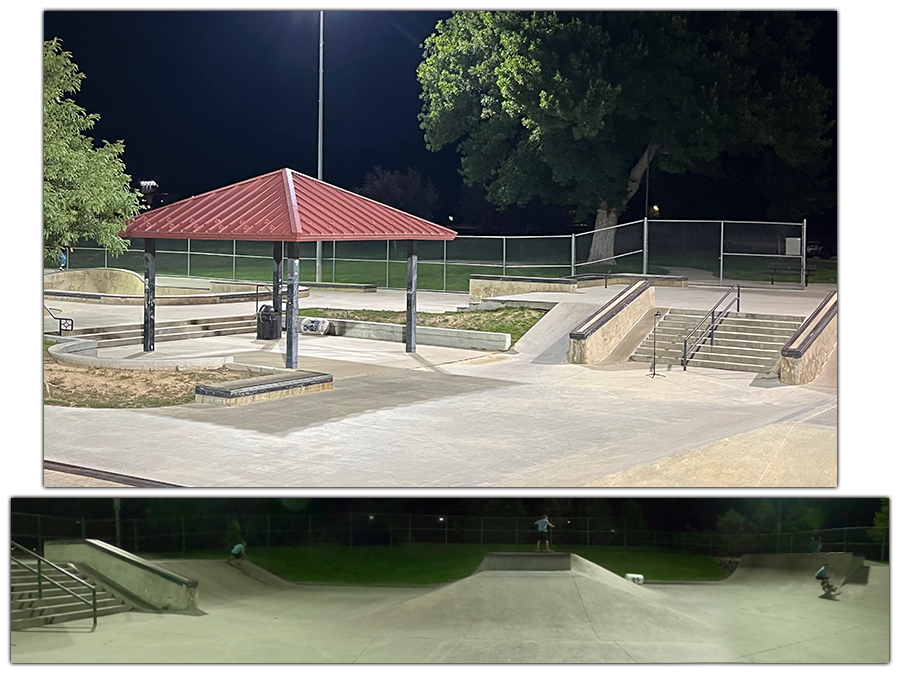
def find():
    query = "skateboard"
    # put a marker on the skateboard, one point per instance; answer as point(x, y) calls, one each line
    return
point(829, 589)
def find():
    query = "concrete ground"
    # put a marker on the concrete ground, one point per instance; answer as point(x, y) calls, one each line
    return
point(455, 418)
point(585, 615)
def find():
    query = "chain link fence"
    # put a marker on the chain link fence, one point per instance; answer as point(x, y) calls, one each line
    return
point(717, 251)
point(187, 533)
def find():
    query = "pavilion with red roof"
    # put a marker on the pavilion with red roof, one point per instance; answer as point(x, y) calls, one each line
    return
point(283, 207)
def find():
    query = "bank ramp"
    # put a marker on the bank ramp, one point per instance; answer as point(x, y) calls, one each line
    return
point(788, 569)
point(540, 596)
point(221, 581)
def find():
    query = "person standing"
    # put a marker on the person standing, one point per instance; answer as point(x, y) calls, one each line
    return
point(816, 542)
point(543, 533)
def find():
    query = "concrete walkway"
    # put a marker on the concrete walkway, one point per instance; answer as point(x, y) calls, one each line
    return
point(585, 615)
point(454, 418)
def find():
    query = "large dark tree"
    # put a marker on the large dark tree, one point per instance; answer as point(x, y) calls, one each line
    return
point(407, 191)
point(87, 194)
point(571, 107)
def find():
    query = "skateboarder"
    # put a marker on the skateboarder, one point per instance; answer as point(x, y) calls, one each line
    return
point(822, 576)
point(543, 535)
point(239, 551)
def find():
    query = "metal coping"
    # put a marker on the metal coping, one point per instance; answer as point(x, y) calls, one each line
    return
point(609, 310)
point(810, 332)
point(253, 386)
point(93, 473)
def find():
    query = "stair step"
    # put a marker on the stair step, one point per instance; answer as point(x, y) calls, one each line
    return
point(86, 613)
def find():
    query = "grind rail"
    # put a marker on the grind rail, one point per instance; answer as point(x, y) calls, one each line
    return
point(714, 319)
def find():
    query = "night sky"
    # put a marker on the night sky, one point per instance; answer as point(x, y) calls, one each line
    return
point(204, 99)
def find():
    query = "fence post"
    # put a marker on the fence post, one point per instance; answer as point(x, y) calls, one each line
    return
point(803, 256)
point(387, 264)
point(40, 537)
point(504, 255)
point(189, 256)
point(721, 251)
point(845, 541)
point(646, 235)
point(573, 254)
point(234, 259)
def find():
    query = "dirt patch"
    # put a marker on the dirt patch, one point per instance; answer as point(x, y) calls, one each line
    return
point(89, 387)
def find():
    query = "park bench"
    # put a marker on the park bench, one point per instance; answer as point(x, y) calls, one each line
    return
point(792, 269)
point(260, 388)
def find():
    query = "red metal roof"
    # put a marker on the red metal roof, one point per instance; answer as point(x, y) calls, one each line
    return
point(282, 206)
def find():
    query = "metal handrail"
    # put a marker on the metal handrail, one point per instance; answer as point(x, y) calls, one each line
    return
point(40, 576)
point(713, 321)
point(65, 324)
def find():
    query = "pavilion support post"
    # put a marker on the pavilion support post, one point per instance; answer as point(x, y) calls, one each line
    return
point(293, 255)
point(277, 274)
point(149, 332)
point(412, 267)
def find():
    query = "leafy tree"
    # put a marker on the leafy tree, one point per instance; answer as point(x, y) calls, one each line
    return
point(733, 523)
point(406, 191)
point(881, 522)
point(801, 517)
point(87, 194)
point(573, 106)
point(765, 517)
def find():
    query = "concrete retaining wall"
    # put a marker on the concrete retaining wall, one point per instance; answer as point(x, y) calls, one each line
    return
point(526, 561)
point(438, 337)
point(482, 288)
point(103, 280)
point(598, 335)
point(161, 589)
point(806, 353)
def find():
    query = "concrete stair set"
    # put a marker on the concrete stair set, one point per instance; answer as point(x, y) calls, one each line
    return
point(742, 341)
point(27, 610)
point(168, 331)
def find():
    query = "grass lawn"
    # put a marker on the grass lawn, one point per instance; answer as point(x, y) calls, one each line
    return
point(423, 564)
point(513, 320)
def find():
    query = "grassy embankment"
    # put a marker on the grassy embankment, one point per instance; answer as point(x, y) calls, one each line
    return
point(423, 564)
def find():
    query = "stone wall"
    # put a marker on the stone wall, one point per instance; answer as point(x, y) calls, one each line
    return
point(597, 345)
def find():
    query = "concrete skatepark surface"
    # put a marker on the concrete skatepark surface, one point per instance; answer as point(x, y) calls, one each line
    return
point(449, 418)
point(768, 611)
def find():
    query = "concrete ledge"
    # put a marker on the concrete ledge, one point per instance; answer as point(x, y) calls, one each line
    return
point(806, 353)
point(162, 300)
point(159, 588)
point(535, 560)
point(486, 286)
point(84, 353)
point(238, 392)
point(599, 334)
point(438, 337)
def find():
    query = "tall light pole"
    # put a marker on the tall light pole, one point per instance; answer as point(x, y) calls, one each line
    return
point(321, 75)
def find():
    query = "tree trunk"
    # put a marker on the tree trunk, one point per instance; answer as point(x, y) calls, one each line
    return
point(603, 243)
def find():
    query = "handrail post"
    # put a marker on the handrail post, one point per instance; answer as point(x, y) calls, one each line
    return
point(738, 298)
point(40, 584)
point(94, 604)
